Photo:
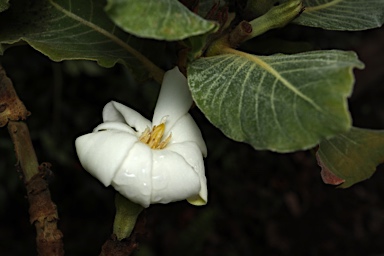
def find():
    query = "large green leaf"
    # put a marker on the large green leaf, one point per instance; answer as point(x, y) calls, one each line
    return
point(163, 20)
point(351, 157)
point(69, 29)
point(281, 102)
point(342, 14)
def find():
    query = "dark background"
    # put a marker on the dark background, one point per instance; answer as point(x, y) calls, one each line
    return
point(260, 203)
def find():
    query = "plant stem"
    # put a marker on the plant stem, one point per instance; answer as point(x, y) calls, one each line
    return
point(42, 211)
point(11, 107)
point(126, 228)
point(277, 17)
point(114, 247)
point(26, 157)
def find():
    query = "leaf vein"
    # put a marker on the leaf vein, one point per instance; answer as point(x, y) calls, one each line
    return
point(276, 74)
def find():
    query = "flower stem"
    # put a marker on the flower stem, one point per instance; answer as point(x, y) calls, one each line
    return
point(126, 216)
point(276, 17)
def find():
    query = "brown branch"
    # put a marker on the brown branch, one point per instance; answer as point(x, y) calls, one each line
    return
point(114, 247)
point(11, 107)
point(43, 212)
point(125, 247)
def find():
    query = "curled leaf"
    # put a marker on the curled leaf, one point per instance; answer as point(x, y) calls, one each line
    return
point(351, 157)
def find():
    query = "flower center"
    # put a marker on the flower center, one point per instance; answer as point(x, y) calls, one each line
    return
point(154, 138)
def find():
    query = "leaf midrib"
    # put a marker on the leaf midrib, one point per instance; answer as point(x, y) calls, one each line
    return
point(155, 70)
point(276, 74)
point(322, 6)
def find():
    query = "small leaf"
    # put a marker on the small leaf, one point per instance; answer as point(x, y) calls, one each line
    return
point(342, 14)
point(67, 30)
point(352, 156)
point(163, 20)
point(282, 102)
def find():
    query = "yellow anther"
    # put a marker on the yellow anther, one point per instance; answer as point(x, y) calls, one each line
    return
point(156, 135)
point(145, 136)
point(154, 138)
point(164, 143)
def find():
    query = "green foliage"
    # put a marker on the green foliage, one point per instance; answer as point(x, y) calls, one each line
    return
point(342, 14)
point(282, 103)
point(162, 20)
point(352, 156)
point(72, 30)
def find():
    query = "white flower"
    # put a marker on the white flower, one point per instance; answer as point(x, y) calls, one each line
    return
point(158, 162)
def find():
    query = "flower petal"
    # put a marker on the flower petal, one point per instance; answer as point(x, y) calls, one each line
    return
point(173, 179)
point(192, 155)
point(133, 179)
point(115, 126)
point(186, 129)
point(101, 153)
point(174, 99)
point(117, 112)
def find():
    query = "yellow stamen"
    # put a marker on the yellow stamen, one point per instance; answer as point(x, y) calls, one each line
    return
point(154, 138)
point(144, 137)
point(164, 143)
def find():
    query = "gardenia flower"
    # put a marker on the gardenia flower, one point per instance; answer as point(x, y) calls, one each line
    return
point(158, 162)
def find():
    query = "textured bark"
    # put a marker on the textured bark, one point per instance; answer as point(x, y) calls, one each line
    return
point(43, 212)
point(125, 247)
point(11, 107)
point(114, 247)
